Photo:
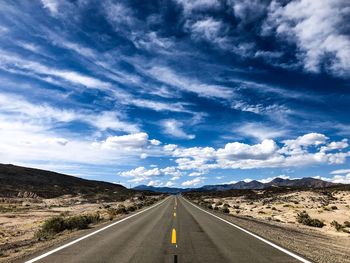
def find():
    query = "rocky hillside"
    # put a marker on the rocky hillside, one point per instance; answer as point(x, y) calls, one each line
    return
point(16, 181)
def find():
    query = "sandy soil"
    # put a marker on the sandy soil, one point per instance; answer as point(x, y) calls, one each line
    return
point(275, 218)
point(20, 218)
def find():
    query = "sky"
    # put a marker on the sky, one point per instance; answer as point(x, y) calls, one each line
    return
point(177, 93)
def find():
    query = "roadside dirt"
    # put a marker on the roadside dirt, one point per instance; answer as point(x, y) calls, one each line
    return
point(21, 218)
point(275, 219)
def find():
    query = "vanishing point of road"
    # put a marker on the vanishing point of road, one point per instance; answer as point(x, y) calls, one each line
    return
point(173, 230)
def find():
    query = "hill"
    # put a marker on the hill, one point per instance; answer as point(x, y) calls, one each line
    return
point(23, 181)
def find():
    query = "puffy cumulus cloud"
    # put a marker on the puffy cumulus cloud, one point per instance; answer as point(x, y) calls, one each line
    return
point(236, 150)
point(155, 183)
point(308, 149)
point(299, 144)
point(51, 5)
point(343, 144)
point(269, 179)
point(341, 179)
point(141, 173)
point(338, 179)
point(169, 147)
point(174, 128)
point(193, 182)
point(318, 28)
point(169, 184)
point(129, 141)
point(155, 142)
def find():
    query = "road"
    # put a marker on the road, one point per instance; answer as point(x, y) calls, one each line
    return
point(172, 231)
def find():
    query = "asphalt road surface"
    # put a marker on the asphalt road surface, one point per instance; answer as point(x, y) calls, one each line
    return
point(172, 231)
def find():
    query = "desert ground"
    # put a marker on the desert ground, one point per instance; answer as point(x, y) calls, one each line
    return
point(21, 219)
point(315, 224)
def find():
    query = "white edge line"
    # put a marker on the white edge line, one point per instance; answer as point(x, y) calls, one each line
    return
point(256, 236)
point(91, 234)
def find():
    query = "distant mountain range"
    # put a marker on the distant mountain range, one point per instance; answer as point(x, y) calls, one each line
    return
point(306, 182)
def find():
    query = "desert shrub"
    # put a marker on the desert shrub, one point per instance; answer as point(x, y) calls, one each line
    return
point(347, 224)
point(333, 207)
point(305, 219)
point(210, 206)
point(225, 210)
point(336, 225)
point(226, 205)
point(131, 208)
point(216, 208)
point(218, 203)
point(121, 209)
point(274, 208)
point(55, 225)
point(236, 207)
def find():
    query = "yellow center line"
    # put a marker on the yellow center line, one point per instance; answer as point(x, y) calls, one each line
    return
point(173, 236)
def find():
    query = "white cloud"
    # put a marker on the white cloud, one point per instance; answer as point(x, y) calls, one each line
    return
point(143, 155)
point(195, 174)
point(174, 128)
point(140, 174)
point(198, 5)
point(22, 66)
point(171, 78)
point(169, 184)
point(300, 144)
point(51, 5)
point(337, 179)
point(236, 150)
point(193, 182)
point(269, 179)
point(158, 105)
point(155, 183)
point(343, 144)
point(317, 28)
point(130, 141)
point(209, 29)
point(260, 131)
point(304, 150)
point(341, 171)
point(260, 109)
point(155, 142)
point(169, 147)
point(25, 111)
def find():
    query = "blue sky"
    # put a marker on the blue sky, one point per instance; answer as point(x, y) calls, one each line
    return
point(176, 93)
